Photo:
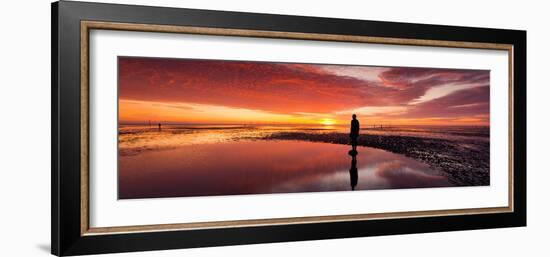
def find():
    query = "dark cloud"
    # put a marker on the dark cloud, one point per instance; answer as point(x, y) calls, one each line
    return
point(467, 102)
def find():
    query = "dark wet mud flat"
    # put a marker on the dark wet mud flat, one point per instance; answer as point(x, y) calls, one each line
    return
point(464, 162)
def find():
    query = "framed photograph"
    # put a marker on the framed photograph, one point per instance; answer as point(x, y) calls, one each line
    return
point(177, 128)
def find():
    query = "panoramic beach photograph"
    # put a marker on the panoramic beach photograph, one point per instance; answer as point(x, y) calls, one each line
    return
point(200, 127)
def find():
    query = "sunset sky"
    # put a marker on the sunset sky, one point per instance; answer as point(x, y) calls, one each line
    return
point(240, 92)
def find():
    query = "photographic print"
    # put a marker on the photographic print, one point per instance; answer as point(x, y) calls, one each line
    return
point(198, 127)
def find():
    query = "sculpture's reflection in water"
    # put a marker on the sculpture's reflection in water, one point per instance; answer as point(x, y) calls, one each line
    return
point(353, 136)
point(353, 174)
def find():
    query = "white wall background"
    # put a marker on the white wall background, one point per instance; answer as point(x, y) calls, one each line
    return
point(25, 127)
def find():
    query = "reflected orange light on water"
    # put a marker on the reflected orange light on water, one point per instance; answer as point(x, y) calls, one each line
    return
point(259, 167)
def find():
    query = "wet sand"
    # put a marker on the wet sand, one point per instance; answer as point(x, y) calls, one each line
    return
point(464, 162)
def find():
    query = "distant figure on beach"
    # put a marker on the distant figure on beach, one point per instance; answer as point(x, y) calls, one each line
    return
point(159, 126)
point(354, 132)
point(353, 175)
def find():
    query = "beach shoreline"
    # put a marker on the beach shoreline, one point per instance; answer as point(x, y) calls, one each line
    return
point(464, 162)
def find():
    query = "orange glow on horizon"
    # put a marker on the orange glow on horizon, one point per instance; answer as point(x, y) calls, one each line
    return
point(131, 111)
point(143, 111)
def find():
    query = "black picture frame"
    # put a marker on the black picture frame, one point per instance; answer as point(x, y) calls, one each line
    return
point(66, 235)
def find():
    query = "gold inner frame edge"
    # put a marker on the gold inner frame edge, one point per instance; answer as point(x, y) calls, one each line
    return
point(86, 26)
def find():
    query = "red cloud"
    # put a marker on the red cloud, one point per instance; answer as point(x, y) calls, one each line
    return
point(285, 87)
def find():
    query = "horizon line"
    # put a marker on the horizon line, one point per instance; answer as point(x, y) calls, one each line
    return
point(295, 124)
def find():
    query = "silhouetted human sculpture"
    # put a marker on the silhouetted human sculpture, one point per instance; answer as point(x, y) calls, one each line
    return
point(159, 126)
point(353, 175)
point(354, 132)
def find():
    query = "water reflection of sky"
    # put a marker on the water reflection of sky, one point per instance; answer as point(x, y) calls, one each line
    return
point(257, 167)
